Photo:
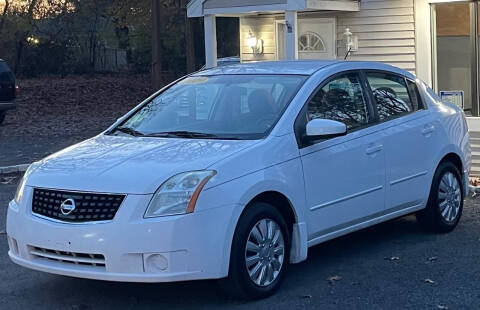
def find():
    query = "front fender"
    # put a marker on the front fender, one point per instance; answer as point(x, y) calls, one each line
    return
point(285, 178)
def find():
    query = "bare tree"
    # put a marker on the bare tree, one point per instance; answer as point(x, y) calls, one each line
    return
point(4, 15)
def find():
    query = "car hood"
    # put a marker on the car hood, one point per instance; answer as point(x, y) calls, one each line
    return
point(129, 165)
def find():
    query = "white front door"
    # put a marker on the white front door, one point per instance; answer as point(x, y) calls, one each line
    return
point(344, 176)
point(317, 38)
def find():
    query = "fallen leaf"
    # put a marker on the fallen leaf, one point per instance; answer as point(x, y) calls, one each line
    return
point(430, 281)
point(333, 279)
point(432, 259)
point(306, 296)
point(442, 307)
point(392, 258)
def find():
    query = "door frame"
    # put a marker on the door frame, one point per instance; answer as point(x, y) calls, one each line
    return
point(278, 23)
point(331, 20)
point(474, 50)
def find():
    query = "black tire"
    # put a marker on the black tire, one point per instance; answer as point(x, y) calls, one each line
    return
point(431, 217)
point(2, 117)
point(239, 284)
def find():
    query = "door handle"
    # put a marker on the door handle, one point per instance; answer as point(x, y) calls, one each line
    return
point(374, 149)
point(428, 129)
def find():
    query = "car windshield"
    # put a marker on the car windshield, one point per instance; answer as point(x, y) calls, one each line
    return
point(217, 107)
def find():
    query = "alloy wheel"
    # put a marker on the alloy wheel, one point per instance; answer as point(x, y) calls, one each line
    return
point(449, 197)
point(264, 253)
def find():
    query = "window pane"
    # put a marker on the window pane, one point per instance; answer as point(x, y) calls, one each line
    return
point(233, 106)
point(454, 49)
point(391, 95)
point(343, 100)
point(417, 102)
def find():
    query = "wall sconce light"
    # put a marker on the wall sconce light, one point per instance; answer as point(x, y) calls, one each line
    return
point(350, 40)
point(255, 43)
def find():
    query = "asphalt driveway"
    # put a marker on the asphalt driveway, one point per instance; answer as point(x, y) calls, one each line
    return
point(391, 266)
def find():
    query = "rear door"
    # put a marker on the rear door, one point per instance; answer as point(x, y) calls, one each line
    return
point(410, 139)
point(7, 83)
point(344, 176)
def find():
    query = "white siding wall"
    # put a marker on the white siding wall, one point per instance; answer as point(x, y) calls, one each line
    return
point(385, 28)
point(386, 32)
point(261, 27)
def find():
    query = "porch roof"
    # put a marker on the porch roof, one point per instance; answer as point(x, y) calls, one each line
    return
point(199, 8)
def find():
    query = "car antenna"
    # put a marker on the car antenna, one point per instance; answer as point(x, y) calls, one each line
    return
point(348, 53)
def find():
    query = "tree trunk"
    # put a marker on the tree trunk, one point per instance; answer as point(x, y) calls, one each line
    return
point(4, 15)
point(24, 35)
point(189, 44)
point(157, 23)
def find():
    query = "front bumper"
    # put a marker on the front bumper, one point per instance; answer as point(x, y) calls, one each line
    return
point(5, 106)
point(188, 247)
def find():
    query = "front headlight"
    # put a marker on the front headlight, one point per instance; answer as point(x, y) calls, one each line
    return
point(23, 181)
point(178, 195)
point(20, 190)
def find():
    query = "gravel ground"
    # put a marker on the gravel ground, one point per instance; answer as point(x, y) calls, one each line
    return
point(54, 113)
point(394, 265)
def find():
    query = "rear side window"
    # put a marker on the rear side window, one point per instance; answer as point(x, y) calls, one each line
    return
point(392, 96)
point(5, 74)
point(342, 99)
point(3, 67)
point(417, 102)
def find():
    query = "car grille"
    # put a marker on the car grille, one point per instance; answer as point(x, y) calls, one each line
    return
point(96, 260)
point(88, 206)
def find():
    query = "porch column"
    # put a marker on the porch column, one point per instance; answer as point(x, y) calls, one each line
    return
point(291, 35)
point(210, 41)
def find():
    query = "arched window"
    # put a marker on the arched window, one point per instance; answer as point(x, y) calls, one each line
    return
point(310, 42)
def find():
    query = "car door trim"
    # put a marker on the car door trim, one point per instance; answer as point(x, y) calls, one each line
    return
point(413, 176)
point(345, 198)
point(367, 221)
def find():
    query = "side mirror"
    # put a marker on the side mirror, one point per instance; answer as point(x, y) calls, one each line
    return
point(324, 128)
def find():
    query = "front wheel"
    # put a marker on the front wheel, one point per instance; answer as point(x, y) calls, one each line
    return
point(260, 253)
point(445, 203)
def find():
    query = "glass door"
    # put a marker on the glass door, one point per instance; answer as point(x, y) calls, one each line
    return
point(454, 60)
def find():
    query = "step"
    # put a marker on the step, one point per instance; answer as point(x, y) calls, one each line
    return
point(474, 172)
point(475, 147)
point(474, 134)
point(476, 156)
point(475, 169)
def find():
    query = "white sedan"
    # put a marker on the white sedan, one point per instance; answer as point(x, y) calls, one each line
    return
point(233, 173)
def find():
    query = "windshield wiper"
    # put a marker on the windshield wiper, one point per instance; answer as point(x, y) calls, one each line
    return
point(187, 134)
point(130, 131)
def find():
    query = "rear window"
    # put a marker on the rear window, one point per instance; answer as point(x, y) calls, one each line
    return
point(5, 74)
point(4, 67)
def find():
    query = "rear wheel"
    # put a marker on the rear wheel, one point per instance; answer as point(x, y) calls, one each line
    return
point(445, 203)
point(2, 117)
point(259, 255)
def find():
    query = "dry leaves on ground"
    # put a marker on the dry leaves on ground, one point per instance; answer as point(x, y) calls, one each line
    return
point(333, 279)
point(51, 106)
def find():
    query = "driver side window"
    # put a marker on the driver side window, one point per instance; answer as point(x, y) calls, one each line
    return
point(342, 99)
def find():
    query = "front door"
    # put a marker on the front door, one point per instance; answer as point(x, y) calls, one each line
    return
point(344, 176)
point(316, 38)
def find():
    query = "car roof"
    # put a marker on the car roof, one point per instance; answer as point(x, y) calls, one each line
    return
point(298, 67)
point(231, 58)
